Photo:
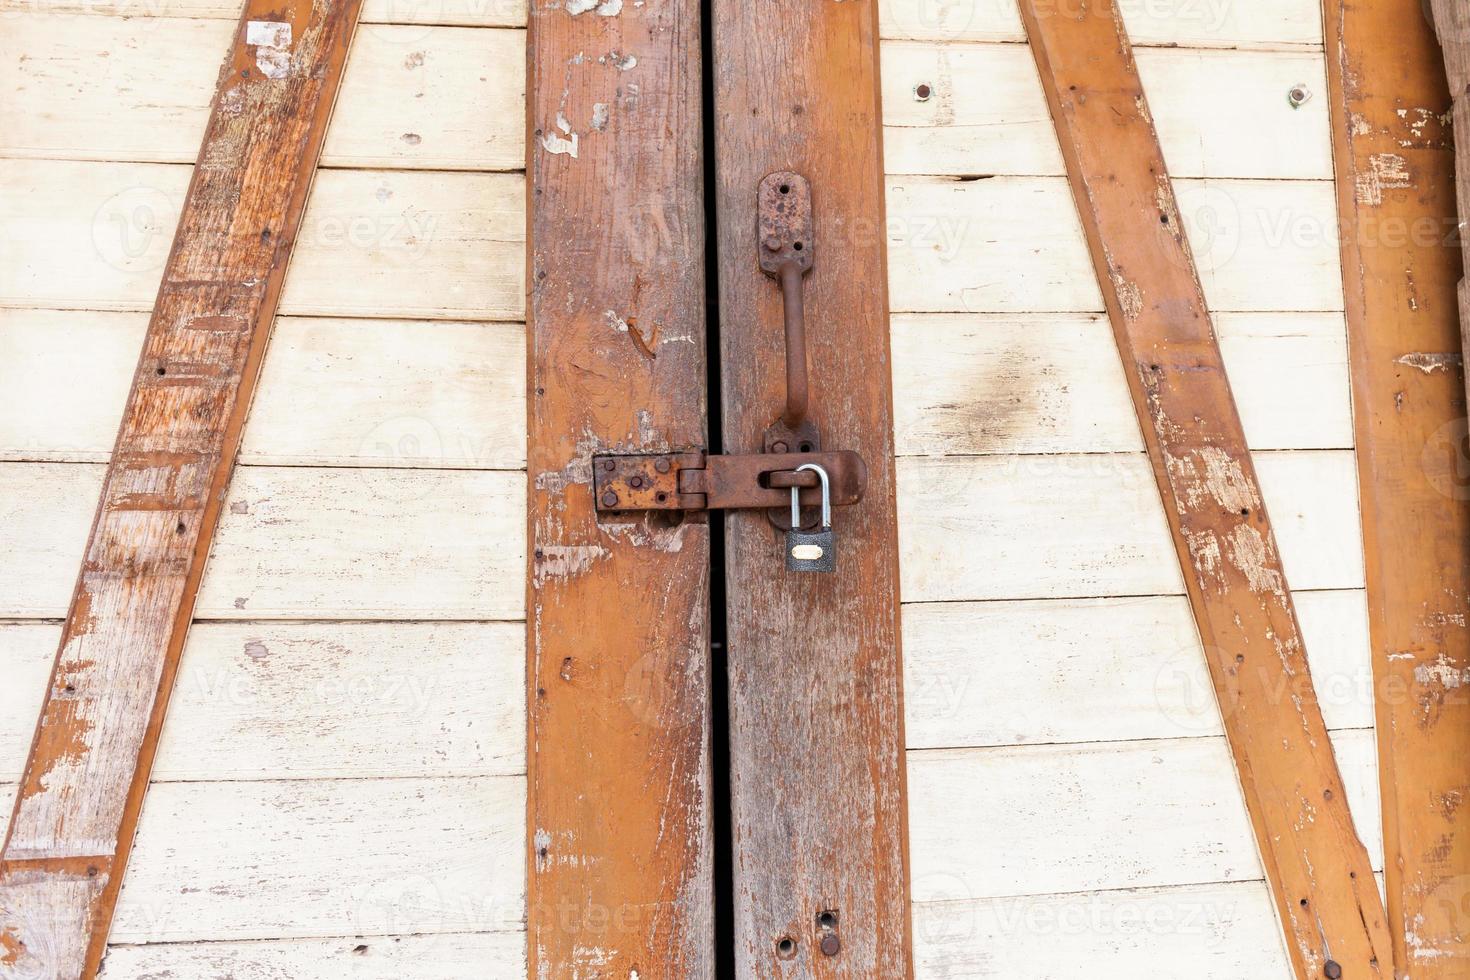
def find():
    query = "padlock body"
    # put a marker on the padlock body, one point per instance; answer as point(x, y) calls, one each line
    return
point(811, 551)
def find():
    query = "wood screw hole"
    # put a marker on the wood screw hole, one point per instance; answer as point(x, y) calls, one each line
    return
point(786, 948)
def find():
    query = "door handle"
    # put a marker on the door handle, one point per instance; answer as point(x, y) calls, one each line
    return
point(787, 244)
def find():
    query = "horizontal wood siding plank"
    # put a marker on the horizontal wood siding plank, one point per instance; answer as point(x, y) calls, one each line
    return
point(1290, 24)
point(303, 859)
point(1222, 931)
point(1014, 245)
point(475, 956)
point(1084, 670)
point(1024, 527)
point(90, 235)
point(297, 543)
point(444, 98)
point(469, 13)
point(1073, 818)
point(1219, 113)
point(313, 700)
point(333, 392)
point(972, 384)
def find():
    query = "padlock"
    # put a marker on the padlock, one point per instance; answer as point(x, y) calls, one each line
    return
point(811, 551)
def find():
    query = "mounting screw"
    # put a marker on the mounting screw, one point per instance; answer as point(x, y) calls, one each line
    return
point(1331, 970)
point(922, 91)
point(772, 243)
point(635, 482)
point(778, 447)
point(662, 465)
point(1298, 95)
point(609, 499)
point(609, 465)
point(831, 945)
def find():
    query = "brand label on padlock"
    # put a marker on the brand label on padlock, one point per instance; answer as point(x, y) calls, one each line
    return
point(807, 552)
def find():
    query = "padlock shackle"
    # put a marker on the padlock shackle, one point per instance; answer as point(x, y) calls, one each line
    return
point(826, 497)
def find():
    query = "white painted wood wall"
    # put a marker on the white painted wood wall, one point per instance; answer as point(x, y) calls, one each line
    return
point(340, 790)
point(1073, 805)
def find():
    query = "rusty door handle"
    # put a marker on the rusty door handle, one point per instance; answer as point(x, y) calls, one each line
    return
point(786, 233)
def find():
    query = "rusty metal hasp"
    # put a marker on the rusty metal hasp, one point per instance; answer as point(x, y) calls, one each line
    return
point(697, 481)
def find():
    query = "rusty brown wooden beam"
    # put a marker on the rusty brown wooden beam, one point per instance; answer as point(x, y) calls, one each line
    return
point(1401, 262)
point(87, 773)
point(619, 849)
point(816, 713)
point(1317, 868)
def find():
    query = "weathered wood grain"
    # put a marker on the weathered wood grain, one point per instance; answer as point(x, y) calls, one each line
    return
point(816, 716)
point(1096, 670)
point(619, 853)
point(422, 13)
point(283, 700)
point(472, 956)
point(297, 543)
point(333, 392)
point(1401, 263)
point(77, 808)
point(304, 859)
point(1318, 868)
point(1013, 245)
point(1217, 931)
point(1287, 25)
point(1036, 527)
point(968, 384)
point(1047, 819)
point(443, 98)
point(91, 235)
point(1219, 113)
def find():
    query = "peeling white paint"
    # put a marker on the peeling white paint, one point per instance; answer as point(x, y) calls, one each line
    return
point(272, 43)
point(599, 116)
point(1429, 363)
point(1249, 553)
point(566, 561)
point(1386, 171)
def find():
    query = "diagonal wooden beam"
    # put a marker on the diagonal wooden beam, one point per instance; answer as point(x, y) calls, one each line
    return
point(619, 849)
point(818, 793)
point(1401, 262)
point(1317, 868)
point(80, 798)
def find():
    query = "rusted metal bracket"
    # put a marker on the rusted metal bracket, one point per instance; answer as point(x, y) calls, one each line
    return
point(697, 481)
point(787, 236)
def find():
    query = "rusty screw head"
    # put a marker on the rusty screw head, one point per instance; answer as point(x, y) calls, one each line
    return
point(1298, 96)
point(831, 945)
point(609, 499)
point(772, 243)
point(662, 465)
point(778, 447)
point(635, 482)
point(609, 465)
point(922, 91)
point(1331, 970)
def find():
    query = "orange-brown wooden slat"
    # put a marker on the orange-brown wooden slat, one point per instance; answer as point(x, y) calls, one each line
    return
point(1317, 868)
point(619, 854)
point(816, 713)
point(1401, 263)
point(85, 779)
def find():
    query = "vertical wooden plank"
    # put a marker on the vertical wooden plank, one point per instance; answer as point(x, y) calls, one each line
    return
point(1318, 869)
point(816, 737)
point(84, 782)
point(620, 852)
point(1401, 262)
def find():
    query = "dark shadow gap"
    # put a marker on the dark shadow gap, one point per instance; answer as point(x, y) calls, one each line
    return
point(724, 879)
